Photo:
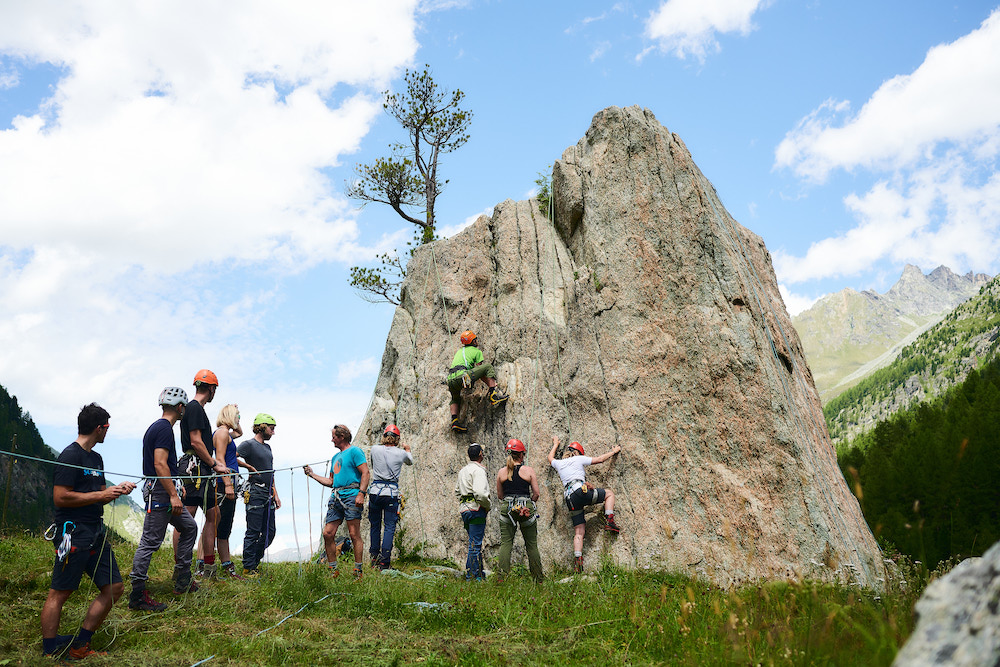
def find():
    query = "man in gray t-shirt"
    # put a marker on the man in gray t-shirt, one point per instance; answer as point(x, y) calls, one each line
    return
point(263, 499)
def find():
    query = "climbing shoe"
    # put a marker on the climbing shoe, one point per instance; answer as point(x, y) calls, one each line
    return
point(180, 589)
point(145, 602)
point(457, 425)
point(578, 564)
point(81, 652)
point(496, 398)
point(467, 381)
point(610, 525)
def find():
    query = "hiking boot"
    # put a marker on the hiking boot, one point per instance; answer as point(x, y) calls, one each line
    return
point(467, 381)
point(496, 397)
point(181, 589)
point(250, 574)
point(578, 564)
point(457, 425)
point(62, 644)
point(81, 652)
point(230, 570)
point(610, 525)
point(145, 602)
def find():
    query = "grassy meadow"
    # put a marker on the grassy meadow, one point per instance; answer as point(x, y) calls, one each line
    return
point(424, 617)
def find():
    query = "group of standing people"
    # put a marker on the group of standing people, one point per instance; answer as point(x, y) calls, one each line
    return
point(209, 470)
point(517, 490)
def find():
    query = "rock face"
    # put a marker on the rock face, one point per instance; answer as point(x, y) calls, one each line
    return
point(645, 317)
point(958, 617)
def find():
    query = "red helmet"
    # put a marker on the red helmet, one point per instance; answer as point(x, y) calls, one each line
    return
point(391, 428)
point(468, 337)
point(577, 446)
point(515, 445)
point(205, 376)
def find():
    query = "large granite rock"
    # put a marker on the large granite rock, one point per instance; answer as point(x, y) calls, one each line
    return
point(958, 617)
point(646, 317)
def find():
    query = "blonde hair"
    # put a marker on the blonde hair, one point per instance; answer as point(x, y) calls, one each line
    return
point(512, 463)
point(229, 416)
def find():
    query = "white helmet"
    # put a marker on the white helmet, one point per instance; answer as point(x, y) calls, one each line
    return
point(173, 396)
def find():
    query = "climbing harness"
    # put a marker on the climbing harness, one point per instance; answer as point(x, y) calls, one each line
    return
point(520, 510)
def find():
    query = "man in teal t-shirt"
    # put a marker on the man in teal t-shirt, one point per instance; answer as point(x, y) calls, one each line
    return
point(349, 477)
point(467, 367)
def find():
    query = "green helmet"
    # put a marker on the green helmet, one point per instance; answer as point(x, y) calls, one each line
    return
point(264, 418)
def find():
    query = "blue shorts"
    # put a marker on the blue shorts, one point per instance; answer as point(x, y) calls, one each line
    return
point(340, 509)
point(91, 553)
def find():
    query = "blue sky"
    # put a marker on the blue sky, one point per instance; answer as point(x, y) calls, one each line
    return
point(172, 173)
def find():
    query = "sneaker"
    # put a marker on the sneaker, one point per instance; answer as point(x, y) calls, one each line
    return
point(81, 652)
point(457, 426)
point(210, 571)
point(200, 570)
point(358, 573)
point(578, 564)
point(190, 588)
point(610, 525)
point(334, 572)
point(467, 381)
point(496, 398)
point(250, 574)
point(146, 603)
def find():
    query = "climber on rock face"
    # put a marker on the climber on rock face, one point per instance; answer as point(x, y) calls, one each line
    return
point(467, 367)
point(579, 494)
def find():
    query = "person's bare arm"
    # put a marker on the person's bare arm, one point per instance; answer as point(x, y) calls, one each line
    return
point(552, 452)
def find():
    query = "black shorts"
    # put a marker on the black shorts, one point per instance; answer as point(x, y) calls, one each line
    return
point(91, 553)
point(203, 496)
point(580, 499)
point(227, 512)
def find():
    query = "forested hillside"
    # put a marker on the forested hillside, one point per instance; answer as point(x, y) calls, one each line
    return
point(939, 358)
point(928, 478)
point(25, 486)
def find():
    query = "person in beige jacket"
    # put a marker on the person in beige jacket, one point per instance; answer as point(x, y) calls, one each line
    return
point(473, 491)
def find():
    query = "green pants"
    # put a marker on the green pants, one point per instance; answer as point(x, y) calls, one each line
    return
point(530, 535)
point(478, 373)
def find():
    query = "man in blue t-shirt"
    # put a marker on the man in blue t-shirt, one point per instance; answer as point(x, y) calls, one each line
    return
point(80, 493)
point(349, 477)
point(163, 505)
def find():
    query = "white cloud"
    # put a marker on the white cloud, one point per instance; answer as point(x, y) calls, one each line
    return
point(450, 230)
point(952, 98)
point(599, 50)
point(178, 171)
point(795, 303)
point(690, 27)
point(352, 370)
point(941, 214)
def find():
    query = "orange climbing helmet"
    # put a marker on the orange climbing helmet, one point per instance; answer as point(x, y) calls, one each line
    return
point(577, 446)
point(391, 428)
point(205, 376)
point(515, 445)
point(468, 337)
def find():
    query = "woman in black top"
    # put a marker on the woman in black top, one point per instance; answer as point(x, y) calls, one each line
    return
point(517, 485)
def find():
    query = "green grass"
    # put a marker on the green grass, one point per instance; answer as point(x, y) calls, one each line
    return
point(617, 617)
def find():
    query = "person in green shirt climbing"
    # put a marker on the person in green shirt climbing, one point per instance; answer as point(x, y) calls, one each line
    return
point(467, 367)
